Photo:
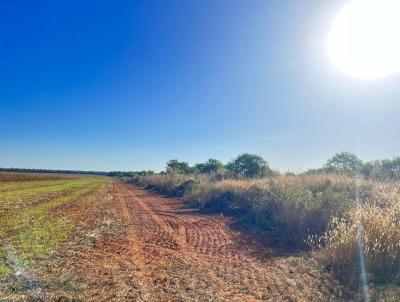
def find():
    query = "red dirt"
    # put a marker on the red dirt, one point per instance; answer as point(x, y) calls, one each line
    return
point(164, 232)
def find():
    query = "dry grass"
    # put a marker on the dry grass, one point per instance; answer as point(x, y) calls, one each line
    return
point(377, 224)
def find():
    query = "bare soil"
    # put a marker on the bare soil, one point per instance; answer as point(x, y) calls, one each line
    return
point(183, 255)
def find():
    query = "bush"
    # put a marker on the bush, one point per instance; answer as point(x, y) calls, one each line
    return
point(164, 184)
point(249, 165)
point(184, 187)
point(177, 167)
point(210, 166)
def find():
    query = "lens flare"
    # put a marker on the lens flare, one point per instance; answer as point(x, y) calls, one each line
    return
point(364, 41)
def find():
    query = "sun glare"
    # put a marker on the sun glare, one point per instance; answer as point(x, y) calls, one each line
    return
point(364, 41)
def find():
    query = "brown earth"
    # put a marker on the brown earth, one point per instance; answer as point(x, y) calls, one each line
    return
point(184, 255)
point(140, 246)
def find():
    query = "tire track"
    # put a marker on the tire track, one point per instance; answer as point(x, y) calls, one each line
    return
point(163, 233)
point(200, 239)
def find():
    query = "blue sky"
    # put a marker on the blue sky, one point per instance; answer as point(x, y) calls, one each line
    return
point(128, 85)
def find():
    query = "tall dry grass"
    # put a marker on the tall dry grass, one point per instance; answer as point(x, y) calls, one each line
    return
point(377, 225)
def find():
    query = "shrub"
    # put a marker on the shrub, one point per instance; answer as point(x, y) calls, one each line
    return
point(249, 165)
point(164, 184)
point(175, 166)
point(210, 166)
point(184, 188)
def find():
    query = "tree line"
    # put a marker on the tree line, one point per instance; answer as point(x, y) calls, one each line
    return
point(349, 163)
point(252, 166)
point(246, 165)
point(27, 170)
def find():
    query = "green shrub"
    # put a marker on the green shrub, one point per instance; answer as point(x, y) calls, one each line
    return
point(210, 166)
point(249, 165)
point(176, 167)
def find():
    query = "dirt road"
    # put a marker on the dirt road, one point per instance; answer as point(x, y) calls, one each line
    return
point(129, 244)
point(182, 255)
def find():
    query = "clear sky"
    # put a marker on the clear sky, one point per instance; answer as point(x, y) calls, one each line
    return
point(128, 85)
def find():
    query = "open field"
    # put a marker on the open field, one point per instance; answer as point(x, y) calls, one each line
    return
point(17, 176)
point(97, 239)
point(36, 217)
point(82, 240)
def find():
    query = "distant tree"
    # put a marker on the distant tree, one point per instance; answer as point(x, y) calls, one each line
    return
point(121, 174)
point(53, 171)
point(145, 173)
point(210, 166)
point(175, 166)
point(386, 169)
point(315, 171)
point(373, 169)
point(392, 167)
point(249, 165)
point(344, 162)
point(290, 174)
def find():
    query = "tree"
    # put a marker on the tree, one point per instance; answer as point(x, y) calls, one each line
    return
point(145, 173)
point(344, 162)
point(175, 166)
point(249, 165)
point(210, 166)
point(391, 167)
point(373, 169)
point(385, 169)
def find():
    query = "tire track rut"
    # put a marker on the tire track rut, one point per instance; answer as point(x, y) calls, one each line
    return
point(164, 234)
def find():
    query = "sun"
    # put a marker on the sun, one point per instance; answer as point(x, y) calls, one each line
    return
point(364, 41)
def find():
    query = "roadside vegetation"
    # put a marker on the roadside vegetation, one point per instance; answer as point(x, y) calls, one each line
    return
point(315, 210)
point(34, 216)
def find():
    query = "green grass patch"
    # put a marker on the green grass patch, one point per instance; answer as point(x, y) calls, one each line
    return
point(21, 193)
point(36, 229)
